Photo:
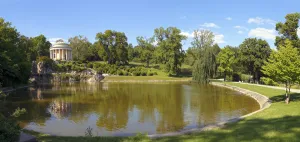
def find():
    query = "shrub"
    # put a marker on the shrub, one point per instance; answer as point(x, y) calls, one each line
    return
point(126, 73)
point(143, 73)
point(268, 81)
point(154, 73)
point(120, 73)
point(9, 130)
point(136, 73)
point(150, 74)
point(245, 78)
point(90, 65)
point(112, 71)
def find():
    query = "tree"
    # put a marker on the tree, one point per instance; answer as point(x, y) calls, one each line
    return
point(253, 53)
point(93, 53)
point(80, 47)
point(205, 53)
point(145, 49)
point(131, 53)
point(41, 47)
point(226, 60)
point(284, 66)
point(169, 48)
point(14, 66)
point(113, 46)
point(288, 30)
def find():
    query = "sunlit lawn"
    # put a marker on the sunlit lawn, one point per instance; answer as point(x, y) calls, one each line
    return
point(280, 122)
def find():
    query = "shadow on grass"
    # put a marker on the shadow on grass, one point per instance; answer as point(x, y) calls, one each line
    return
point(281, 98)
point(276, 129)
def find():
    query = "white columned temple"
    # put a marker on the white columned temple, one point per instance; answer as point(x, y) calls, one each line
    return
point(61, 51)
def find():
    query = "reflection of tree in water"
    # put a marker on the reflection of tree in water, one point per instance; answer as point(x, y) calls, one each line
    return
point(114, 105)
point(216, 104)
point(60, 109)
point(162, 105)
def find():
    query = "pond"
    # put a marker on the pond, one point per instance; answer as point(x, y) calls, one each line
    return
point(121, 109)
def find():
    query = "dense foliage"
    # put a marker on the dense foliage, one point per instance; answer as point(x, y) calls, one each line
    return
point(204, 55)
point(14, 56)
point(113, 47)
point(169, 50)
point(284, 65)
point(80, 47)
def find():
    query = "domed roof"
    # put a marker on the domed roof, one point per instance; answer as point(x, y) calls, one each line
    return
point(61, 44)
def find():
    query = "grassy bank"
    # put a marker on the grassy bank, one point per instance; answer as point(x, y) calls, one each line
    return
point(280, 122)
point(145, 78)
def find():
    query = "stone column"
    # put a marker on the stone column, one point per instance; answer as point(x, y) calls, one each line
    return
point(67, 54)
point(63, 53)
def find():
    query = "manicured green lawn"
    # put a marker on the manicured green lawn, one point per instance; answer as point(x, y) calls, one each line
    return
point(280, 122)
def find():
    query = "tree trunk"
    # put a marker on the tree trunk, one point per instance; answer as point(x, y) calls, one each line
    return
point(256, 77)
point(287, 91)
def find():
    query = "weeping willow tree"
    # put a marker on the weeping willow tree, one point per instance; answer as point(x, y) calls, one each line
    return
point(205, 56)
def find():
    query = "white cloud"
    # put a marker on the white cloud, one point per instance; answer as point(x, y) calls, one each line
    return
point(228, 18)
point(261, 21)
point(240, 32)
point(210, 25)
point(219, 38)
point(241, 28)
point(187, 34)
point(298, 32)
point(263, 33)
point(53, 40)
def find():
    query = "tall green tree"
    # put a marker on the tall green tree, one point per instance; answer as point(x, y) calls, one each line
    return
point(284, 66)
point(131, 53)
point(226, 59)
point(14, 66)
point(145, 49)
point(41, 47)
point(253, 53)
point(169, 48)
point(113, 46)
point(288, 30)
point(205, 53)
point(80, 47)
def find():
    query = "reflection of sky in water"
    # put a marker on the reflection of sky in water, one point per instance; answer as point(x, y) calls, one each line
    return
point(127, 108)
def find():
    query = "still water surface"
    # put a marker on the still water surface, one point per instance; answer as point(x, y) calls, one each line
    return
point(126, 108)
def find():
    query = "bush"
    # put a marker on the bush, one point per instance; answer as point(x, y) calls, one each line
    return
point(268, 81)
point(112, 71)
point(143, 73)
point(126, 73)
point(9, 130)
point(120, 73)
point(154, 73)
point(150, 74)
point(245, 77)
point(90, 65)
point(136, 73)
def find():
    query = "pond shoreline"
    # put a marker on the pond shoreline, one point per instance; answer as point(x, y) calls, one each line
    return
point(263, 101)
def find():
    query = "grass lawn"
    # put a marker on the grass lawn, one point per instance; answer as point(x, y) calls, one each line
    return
point(280, 122)
point(145, 78)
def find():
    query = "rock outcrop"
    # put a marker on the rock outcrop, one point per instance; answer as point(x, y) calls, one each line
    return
point(43, 68)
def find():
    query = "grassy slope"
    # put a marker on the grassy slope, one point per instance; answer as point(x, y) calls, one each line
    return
point(280, 122)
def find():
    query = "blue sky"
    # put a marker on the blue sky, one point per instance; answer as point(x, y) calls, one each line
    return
point(232, 21)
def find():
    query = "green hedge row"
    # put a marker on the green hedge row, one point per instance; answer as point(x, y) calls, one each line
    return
point(121, 70)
